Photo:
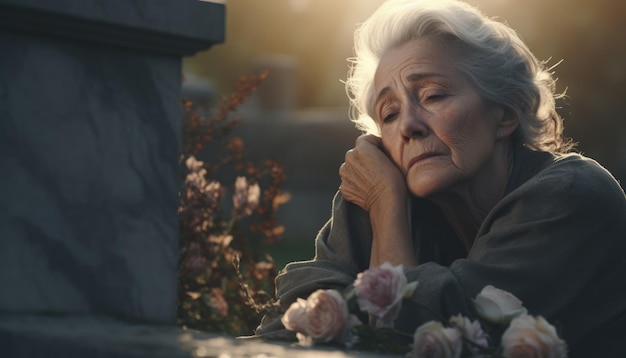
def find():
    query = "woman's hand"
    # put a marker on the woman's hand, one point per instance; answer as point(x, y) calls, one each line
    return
point(371, 180)
point(369, 177)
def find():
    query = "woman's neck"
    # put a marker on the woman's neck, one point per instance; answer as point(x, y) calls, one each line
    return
point(467, 204)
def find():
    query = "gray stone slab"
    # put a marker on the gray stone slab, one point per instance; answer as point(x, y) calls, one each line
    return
point(180, 27)
point(80, 337)
point(89, 143)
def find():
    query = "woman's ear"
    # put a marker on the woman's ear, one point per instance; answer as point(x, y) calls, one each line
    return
point(507, 122)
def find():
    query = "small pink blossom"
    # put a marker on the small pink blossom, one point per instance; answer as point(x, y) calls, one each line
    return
point(531, 337)
point(380, 291)
point(433, 340)
point(217, 301)
point(245, 198)
point(322, 317)
point(262, 269)
point(498, 306)
point(193, 164)
point(213, 192)
point(197, 179)
point(195, 264)
point(471, 331)
point(197, 184)
point(223, 240)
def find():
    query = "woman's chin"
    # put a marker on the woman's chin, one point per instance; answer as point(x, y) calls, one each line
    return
point(425, 186)
point(424, 189)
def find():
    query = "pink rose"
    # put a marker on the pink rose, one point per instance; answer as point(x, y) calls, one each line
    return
point(498, 306)
point(531, 337)
point(471, 331)
point(380, 291)
point(322, 317)
point(433, 340)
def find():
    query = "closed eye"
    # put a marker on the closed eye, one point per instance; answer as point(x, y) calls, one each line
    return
point(389, 117)
point(435, 97)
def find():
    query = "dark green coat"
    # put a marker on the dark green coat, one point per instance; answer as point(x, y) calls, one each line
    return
point(556, 240)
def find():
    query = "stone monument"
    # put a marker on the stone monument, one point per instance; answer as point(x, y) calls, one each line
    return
point(89, 141)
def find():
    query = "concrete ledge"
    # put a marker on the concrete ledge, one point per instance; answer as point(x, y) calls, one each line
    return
point(89, 336)
point(180, 27)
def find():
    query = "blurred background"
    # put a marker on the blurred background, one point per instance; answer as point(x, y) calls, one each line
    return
point(299, 116)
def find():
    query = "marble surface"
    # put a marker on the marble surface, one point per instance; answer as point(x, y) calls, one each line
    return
point(79, 337)
point(89, 140)
point(175, 27)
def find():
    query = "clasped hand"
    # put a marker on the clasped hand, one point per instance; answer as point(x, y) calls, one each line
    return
point(369, 177)
point(372, 181)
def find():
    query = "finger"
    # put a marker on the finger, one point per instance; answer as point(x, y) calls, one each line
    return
point(349, 194)
point(346, 175)
point(349, 153)
point(368, 139)
point(351, 170)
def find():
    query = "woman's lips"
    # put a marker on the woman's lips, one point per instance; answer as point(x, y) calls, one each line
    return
point(419, 158)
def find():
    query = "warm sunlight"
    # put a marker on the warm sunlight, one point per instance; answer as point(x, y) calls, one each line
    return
point(307, 42)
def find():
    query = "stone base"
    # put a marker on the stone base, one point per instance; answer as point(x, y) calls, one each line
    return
point(88, 336)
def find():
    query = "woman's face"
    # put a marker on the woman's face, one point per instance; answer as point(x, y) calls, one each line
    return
point(434, 125)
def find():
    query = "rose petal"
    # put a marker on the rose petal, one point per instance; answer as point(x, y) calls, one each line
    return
point(498, 306)
point(409, 289)
point(379, 292)
point(295, 318)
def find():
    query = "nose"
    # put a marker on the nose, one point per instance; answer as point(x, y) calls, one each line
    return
point(412, 125)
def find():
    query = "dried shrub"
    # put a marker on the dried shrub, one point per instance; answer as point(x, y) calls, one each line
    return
point(224, 269)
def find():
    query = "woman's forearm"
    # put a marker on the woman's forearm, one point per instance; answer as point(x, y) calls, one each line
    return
point(392, 240)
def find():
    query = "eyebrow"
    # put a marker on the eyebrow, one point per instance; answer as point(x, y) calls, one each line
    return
point(414, 77)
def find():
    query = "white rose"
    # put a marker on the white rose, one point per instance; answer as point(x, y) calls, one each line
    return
point(433, 340)
point(531, 337)
point(498, 306)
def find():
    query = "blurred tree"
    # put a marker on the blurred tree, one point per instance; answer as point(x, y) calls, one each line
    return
point(590, 38)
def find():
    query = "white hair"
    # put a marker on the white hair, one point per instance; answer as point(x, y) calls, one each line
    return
point(491, 54)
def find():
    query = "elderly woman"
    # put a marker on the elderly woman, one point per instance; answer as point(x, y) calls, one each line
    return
point(465, 179)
